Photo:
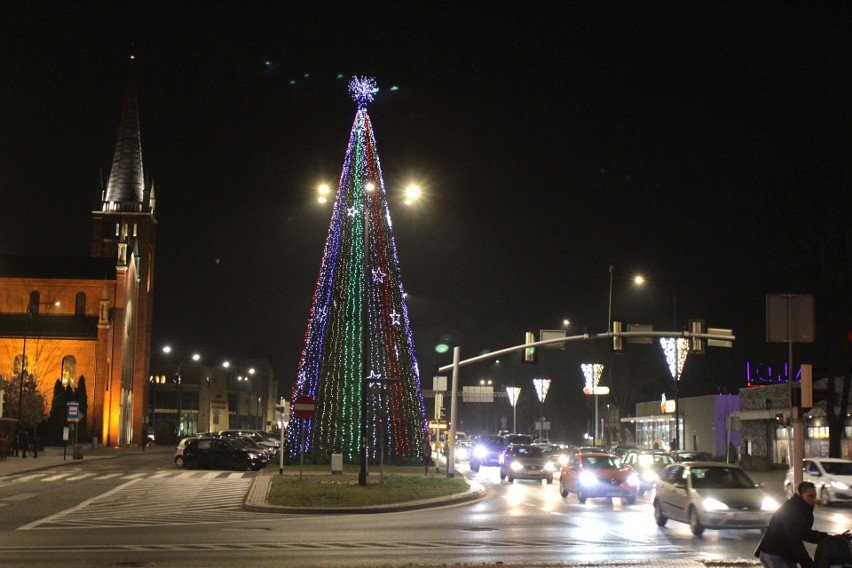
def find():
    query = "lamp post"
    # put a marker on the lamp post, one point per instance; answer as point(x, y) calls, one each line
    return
point(365, 338)
point(29, 314)
point(541, 388)
point(593, 373)
point(195, 357)
point(513, 393)
point(675, 351)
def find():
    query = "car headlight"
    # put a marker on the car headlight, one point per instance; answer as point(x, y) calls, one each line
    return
point(563, 459)
point(839, 485)
point(548, 466)
point(711, 504)
point(633, 479)
point(253, 455)
point(649, 476)
point(462, 453)
point(768, 504)
point(587, 478)
point(479, 452)
point(516, 466)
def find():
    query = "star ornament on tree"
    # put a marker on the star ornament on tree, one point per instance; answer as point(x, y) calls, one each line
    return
point(362, 90)
point(373, 376)
point(395, 317)
point(378, 275)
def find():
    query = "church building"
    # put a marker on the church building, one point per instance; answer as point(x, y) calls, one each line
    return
point(68, 318)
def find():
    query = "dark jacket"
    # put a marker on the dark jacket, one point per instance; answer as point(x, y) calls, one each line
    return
point(788, 528)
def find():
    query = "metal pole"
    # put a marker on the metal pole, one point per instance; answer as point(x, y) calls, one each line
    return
point(365, 350)
point(677, 415)
point(23, 364)
point(451, 454)
point(595, 441)
point(609, 316)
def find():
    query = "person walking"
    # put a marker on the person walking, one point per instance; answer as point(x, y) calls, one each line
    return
point(427, 454)
point(782, 545)
point(24, 443)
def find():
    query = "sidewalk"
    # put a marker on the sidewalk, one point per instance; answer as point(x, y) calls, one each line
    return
point(53, 456)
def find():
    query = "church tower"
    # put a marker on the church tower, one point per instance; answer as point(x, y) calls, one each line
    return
point(124, 229)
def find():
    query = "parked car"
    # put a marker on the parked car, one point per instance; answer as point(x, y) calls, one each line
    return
point(462, 451)
point(525, 461)
point(831, 476)
point(221, 453)
point(711, 495)
point(647, 464)
point(598, 475)
point(690, 456)
point(179, 449)
point(486, 451)
point(270, 445)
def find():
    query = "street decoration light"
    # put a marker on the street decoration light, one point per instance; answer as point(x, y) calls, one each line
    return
point(593, 373)
point(512, 394)
point(675, 350)
point(541, 388)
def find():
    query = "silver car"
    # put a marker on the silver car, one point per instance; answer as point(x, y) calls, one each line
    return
point(831, 476)
point(711, 495)
point(525, 461)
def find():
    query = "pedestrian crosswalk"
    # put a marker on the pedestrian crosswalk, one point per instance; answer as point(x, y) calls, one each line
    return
point(157, 499)
point(66, 475)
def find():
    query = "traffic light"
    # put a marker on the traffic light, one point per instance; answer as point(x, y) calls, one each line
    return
point(529, 355)
point(698, 343)
point(617, 340)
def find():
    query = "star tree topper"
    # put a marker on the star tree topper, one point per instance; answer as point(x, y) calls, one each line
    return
point(362, 90)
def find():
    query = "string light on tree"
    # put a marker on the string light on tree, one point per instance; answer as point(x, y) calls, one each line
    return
point(358, 329)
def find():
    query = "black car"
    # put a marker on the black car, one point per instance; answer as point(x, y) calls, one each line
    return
point(220, 453)
point(486, 450)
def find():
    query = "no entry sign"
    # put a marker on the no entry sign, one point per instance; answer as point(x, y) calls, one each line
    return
point(304, 407)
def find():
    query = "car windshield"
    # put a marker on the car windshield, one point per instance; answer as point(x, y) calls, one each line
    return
point(601, 462)
point(720, 478)
point(647, 460)
point(838, 468)
point(490, 441)
point(527, 451)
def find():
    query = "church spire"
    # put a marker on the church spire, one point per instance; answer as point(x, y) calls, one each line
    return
point(126, 186)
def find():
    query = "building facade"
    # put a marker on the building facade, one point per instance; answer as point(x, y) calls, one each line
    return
point(64, 318)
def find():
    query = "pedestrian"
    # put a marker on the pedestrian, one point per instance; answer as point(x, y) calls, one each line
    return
point(36, 442)
point(24, 443)
point(427, 454)
point(782, 545)
point(16, 444)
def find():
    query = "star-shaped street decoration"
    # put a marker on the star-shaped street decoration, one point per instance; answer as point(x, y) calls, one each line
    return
point(373, 376)
point(378, 275)
point(351, 211)
point(395, 317)
point(322, 313)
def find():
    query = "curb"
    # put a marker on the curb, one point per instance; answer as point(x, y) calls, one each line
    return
point(256, 501)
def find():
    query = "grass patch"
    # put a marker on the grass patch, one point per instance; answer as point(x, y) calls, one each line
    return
point(319, 488)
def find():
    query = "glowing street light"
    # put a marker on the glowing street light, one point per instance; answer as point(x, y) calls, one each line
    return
point(675, 351)
point(593, 373)
point(512, 394)
point(412, 194)
point(322, 192)
point(541, 388)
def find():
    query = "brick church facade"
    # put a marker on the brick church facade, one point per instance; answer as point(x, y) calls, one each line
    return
point(67, 318)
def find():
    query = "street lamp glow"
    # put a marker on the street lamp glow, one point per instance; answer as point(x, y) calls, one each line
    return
point(226, 364)
point(412, 194)
point(639, 280)
point(566, 322)
point(251, 371)
point(370, 186)
point(196, 357)
point(167, 348)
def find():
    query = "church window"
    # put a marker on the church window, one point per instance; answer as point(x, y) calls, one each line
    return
point(69, 370)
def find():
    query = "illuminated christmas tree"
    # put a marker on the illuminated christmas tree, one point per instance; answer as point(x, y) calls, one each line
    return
point(358, 342)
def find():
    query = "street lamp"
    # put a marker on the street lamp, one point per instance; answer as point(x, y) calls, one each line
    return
point(195, 357)
point(30, 306)
point(541, 388)
point(513, 393)
point(593, 373)
point(676, 351)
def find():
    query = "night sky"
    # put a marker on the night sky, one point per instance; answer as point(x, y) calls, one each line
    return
point(551, 139)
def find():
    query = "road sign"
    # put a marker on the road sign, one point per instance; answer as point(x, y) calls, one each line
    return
point(304, 407)
point(73, 411)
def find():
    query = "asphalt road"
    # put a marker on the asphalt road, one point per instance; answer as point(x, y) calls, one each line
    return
point(139, 510)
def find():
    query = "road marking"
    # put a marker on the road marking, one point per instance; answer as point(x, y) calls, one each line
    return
point(134, 476)
point(108, 476)
point(56, 477)
point(81, 476)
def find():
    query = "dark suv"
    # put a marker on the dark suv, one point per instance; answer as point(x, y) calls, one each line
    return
point(219, 453)
point(486, 450)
